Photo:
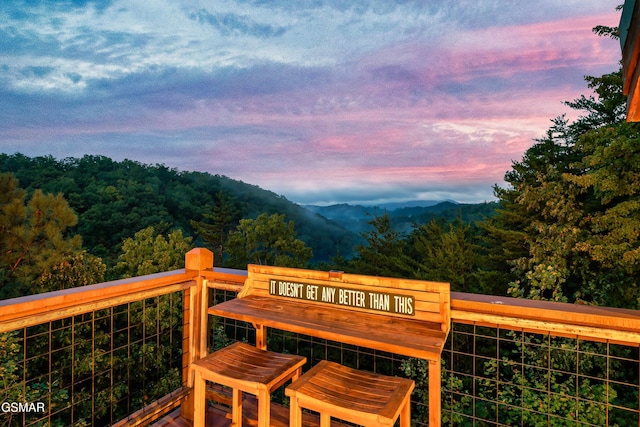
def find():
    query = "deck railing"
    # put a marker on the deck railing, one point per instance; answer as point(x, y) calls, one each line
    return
point(90, 355)
point(118, 352)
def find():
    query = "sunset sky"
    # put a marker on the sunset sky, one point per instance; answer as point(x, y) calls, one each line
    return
point(323, 102)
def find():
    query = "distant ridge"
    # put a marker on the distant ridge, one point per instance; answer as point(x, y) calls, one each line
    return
point(390, 206)
point(403, 215)
point(411, 204)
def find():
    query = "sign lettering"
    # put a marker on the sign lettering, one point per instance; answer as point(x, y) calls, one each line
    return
point(378, 301)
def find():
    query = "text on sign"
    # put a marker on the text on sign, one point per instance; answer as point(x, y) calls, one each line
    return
point(378, 301)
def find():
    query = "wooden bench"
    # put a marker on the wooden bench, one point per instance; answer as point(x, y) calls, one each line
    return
point(406, 317)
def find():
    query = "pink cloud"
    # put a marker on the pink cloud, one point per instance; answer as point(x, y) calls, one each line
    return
point(504, 51)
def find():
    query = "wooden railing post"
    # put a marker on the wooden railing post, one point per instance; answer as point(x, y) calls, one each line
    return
point(195, 320)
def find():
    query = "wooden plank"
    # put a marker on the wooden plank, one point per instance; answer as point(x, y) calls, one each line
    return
point(91, 295)
point(154, 410)
point(434, 393)
point(408, 337)
point(554, 328)
point(12, 321)
point(225, 279)
point(257, 271)
point(428, 301)
point(219, 416)
point(543, 313)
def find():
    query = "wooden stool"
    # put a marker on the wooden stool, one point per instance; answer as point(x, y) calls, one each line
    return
point(243, 368)
point(356, 396)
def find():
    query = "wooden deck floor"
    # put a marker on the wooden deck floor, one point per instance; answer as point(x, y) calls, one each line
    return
point(219, 416)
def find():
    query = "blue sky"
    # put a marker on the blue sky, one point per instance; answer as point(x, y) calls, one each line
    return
point(320, 101)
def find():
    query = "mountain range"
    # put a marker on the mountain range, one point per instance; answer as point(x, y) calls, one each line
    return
point(403, 216)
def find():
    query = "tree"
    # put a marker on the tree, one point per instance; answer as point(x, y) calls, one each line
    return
point(383, 253)
point(608, 108)
point(446, 252)
point(78, 269)
point(223, 219)
point(149, 252)
point(267, 240)
point(610, 241)
point(33, 237)
point(573, 204)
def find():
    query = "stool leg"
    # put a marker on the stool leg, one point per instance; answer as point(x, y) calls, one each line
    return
point(295, 413)
point(325, 420)
point(405, 414)
point(296, 375)
point(236, 408)
point(199, 400)
point(264, 408)
point(261, 337)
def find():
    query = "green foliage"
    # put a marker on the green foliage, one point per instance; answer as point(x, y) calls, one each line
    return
point(446, 252)
point(267, 240)
point(537, 384)
point(36, 247)
point(572, 209)
point(79, 269)
point(13, 389)
point(383, 253)
point(455, 400)
point(114, 200)
point(9, 365)
point(439, 250)
point(224, 219)
point(149, 252)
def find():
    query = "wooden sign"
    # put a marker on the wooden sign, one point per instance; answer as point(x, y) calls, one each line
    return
point(378, 301)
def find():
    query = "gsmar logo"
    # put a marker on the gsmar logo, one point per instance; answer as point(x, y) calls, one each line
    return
point(19, 407)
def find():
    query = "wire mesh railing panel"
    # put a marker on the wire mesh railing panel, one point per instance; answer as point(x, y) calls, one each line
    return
point(500, 377)
point(92, 369)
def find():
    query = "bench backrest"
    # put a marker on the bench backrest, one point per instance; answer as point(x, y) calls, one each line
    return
point(417, 299)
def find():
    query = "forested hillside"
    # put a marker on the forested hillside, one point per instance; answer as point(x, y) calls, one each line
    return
point(114, 200)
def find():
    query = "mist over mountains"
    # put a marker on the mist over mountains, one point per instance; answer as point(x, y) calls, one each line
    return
point(403, 216)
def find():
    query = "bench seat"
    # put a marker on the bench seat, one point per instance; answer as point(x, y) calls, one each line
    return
point(352, 395)
point(244, 368)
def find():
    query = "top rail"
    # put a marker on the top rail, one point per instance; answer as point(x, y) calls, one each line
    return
point(36, 309)
point(225, 279)
point(562, 319)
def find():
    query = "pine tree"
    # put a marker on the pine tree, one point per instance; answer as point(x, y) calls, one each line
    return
point(33, 237)
point(223, 219)
point(383, 253)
